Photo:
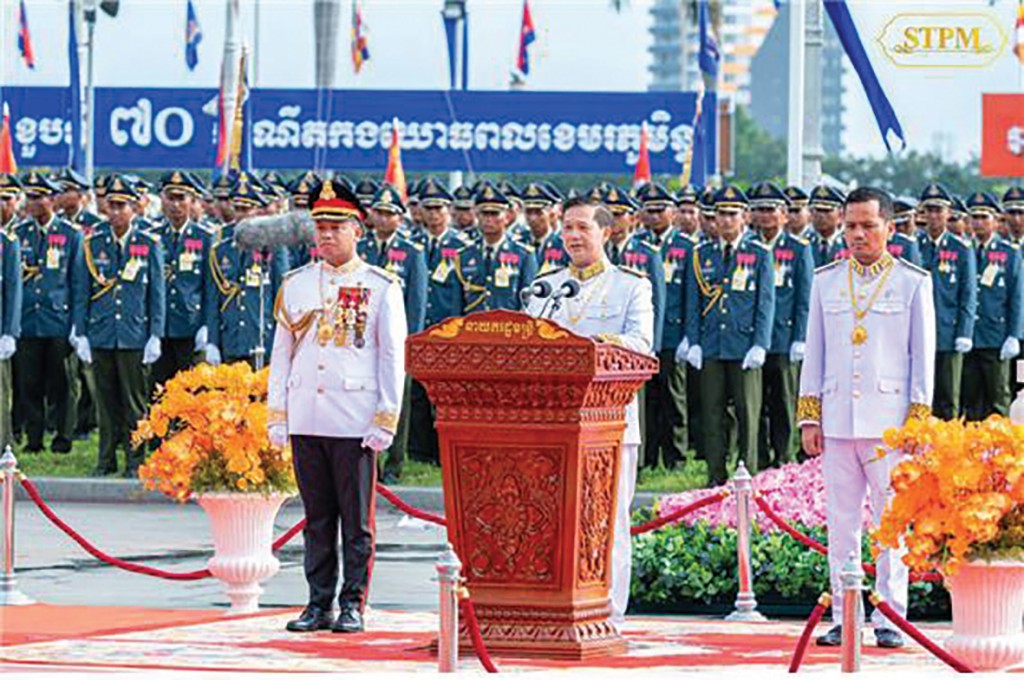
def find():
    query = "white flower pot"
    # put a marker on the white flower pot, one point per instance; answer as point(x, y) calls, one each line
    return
point(988, 608)
point(242, 525)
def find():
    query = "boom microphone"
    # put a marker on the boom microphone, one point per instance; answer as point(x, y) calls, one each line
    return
point(276, 231)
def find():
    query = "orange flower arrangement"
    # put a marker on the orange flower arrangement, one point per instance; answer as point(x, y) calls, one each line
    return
point(959, 492)
point(211, 423)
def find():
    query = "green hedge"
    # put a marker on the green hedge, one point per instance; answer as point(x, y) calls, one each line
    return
point(692, 569)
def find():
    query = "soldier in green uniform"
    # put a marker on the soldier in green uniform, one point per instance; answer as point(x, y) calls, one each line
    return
point(957, 223)
point(464, 214)
point(827, 216)
point(10, 303)
point(539, 205)
point(51, 251)
point(953, 266)
point(120, 318)
point(1000, 322)
point(798, 220)
point(730, 316)
point(688, 211)
point(1013, 213)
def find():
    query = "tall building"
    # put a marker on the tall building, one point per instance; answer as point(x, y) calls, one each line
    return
point(769, 103)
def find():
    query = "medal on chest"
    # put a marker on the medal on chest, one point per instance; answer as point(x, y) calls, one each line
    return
point(344, 318)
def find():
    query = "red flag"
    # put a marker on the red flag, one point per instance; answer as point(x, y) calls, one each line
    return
point(7, 162)
point(526, 38)
point(395, 175)
point(642, 171)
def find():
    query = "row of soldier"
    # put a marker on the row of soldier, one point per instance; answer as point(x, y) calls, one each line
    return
point(107, 305)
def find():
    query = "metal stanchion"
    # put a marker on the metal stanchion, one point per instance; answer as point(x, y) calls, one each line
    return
point(449, 576)
point(746, 603)
point(9, 593)
point(852, 578)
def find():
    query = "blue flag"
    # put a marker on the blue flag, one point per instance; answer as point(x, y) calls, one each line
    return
point(709, 56)
point(888, 123)
point(193, 36)
point(76, 157)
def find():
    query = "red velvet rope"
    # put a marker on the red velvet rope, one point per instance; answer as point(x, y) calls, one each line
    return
point(408, 509)
point(824, 602)
point(288, 535)
point(469, 613)
point(692, 507)
point(919, 637)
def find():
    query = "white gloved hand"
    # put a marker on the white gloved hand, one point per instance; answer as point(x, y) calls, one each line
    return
point(796, 352)
point(963, 345)
point(151, 352)
point(82, 349)
point(8, 345)
point(682, 350)
point(1011, 348)
point(278, 434)
point(201, 336)
point(754, 359)
point(695, 357)
point(378, 440)
point(213, 355)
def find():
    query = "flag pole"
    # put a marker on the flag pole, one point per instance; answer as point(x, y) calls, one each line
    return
point(814, 41)
point(229, 78)
point(794, 169)
point(89, 109)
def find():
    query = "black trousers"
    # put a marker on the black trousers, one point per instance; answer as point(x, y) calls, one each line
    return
point(423, 444)
point(666, 414)
point(122, 386)
point(176, 354)
point(41, 370)
point(336, 480)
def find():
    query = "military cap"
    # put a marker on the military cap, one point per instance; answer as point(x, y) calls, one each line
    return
point(824, 196)
point(463, 196)
point(273, 179)
point(555, 192)
point(365, 189)
point(936, 194)
point(121, 188)
point(687, 195)
point(1013, 199)
point(70, 179)
point(179, 180)
point(982, 203)
point(536, 195)
point(388, 199)
point(413, 192)
point(246, 191)
point(99, 186)
point(222, 187)
point(200, 185)
point(38, 185)
point(489, 197)
point(433, 192)
point(730, 198)
point(707, 201)
point(653, 195)
point(301, 185)
point(903, 208)
point(9, 185)
point(797, 197)
point(767, 195)
point(572, 193)
point(959, 208)
point(510, 190)
point(596, 193)
point(140, 185)
point(333, 202)
point(619, 201)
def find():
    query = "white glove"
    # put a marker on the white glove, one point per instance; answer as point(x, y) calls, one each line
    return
point(682, 350)
point(378, 440)
point(1011, 348)
point(7, 346)
point(201, 336)
point(695, 357)
point(278, 434)
point(796, 352)
point(963, 345)
point(212, 355)
point(754, 359)
point(82, 349)
point(151, 352)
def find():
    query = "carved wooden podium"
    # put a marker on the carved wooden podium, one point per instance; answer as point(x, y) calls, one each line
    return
point(530, 418)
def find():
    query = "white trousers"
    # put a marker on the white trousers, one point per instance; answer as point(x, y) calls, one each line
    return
point(851, 469)
point(622, 553)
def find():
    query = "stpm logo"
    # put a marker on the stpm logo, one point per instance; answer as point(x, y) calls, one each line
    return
point(943, 39)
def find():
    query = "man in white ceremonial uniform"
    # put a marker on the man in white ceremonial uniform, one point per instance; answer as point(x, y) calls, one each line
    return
point(614, 305)
point(336, 379)
point(869, 367)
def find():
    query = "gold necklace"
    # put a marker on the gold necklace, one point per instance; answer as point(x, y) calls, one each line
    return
point(581, 304)
point(860, 334)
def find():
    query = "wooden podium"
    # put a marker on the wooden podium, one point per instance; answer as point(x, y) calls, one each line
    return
point(530, 418)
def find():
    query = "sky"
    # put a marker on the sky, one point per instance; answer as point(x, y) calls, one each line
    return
point(582, 45)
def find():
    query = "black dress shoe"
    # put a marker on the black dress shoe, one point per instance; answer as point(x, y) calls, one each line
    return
point(833, 638)
point(887, 638)
point(60, 445)
point(349, 621)
point(389, 478)
point(312, 618)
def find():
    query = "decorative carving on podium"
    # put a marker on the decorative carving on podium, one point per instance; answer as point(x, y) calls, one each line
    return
point(512, 498)
point(596, 516)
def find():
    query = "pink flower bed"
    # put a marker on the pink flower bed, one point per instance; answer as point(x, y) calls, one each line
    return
point(796, 492)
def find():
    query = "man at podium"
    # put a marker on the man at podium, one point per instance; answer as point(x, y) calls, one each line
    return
point(613, 304)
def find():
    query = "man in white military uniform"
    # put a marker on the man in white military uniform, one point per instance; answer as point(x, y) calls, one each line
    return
point(336, 379)
point(614, 305)
point(869, 367)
